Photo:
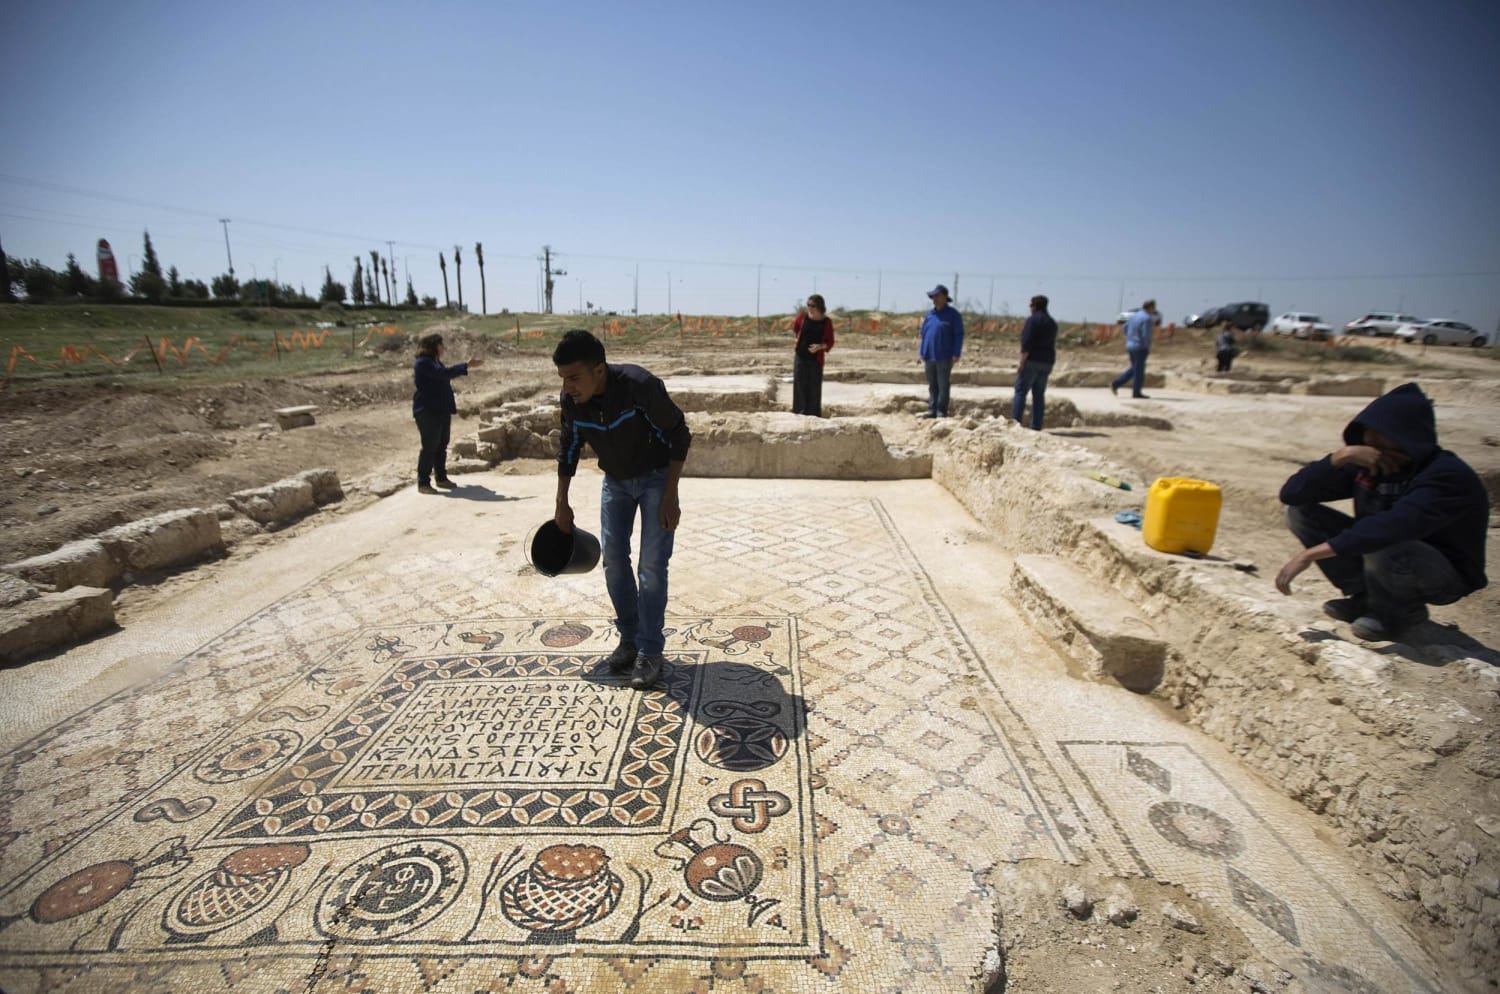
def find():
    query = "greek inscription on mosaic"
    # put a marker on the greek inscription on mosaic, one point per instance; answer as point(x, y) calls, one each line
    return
point(463, 732)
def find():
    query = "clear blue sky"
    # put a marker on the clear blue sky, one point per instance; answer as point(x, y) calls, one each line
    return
point(1196, 151)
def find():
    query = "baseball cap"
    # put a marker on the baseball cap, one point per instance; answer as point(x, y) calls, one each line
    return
point(939, 289)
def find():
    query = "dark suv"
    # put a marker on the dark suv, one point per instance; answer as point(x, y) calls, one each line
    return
point(1247, 316)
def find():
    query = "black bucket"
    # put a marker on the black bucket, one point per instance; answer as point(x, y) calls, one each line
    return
point(554, 551)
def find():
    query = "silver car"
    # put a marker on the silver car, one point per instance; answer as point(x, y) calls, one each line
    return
point(1442, 332)
point(1380, 323)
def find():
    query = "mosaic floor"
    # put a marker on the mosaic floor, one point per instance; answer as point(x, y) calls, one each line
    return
point(414, 773)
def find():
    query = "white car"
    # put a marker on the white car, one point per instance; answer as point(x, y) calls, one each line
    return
point(1380, 323)
point(1442, 333)
point(1300, 324)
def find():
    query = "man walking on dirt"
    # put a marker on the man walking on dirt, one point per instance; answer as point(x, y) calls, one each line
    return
point(1420, 518)
point(641, 438)
point(1138, 347)
point(942, 344)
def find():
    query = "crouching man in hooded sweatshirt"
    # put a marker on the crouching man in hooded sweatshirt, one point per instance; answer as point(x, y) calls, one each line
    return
point(1420, 519)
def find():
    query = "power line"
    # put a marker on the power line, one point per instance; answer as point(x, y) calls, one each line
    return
point(734, 264)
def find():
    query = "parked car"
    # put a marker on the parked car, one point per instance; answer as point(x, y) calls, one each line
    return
point(1380, 323)
point(1301, 324)
point(1442, 333)
point(1246, 316)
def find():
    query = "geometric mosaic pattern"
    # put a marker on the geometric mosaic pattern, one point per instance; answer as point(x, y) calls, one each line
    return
point(418, 776)
point(1193, 828)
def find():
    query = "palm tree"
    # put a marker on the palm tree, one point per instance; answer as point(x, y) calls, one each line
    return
point(484, 301)
point(386, 272)
point(458, 270)
point(443, 265)
point(375, 277)
point(359, 283)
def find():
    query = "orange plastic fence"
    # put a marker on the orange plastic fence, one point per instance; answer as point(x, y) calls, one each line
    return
point(164, 349)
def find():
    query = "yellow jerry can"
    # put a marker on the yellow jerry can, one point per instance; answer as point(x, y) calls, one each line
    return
point(1182, 515)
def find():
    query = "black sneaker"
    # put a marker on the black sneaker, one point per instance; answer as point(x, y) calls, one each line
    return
point(1114, 389)
point(622, 658)
point(1372, 628)
point(1345, 608)
point(646, 672)
point(446, 484)
point(423, 488)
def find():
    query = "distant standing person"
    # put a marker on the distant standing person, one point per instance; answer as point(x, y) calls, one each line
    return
point(942, 344)
point(1038, 354)
point(813, 330)
point(1225, 348)
point(1138, 347)
point(641, 439)
point(433, 405)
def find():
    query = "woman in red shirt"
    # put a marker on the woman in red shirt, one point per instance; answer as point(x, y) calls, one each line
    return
point(813, 331)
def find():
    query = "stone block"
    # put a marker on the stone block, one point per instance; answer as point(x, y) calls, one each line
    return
point(1091, 624)
point(281, 501)
point(53, 620)
point(325, 485)
point(85, 563)
point(14, 590)
point(295, 417)
point(787, 446)
point(164, 540)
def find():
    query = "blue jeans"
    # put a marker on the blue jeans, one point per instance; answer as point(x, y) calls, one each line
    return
point(1394, 581)
point(1031, 379)
point(1136, 374)
point(939, 376)
point(640, 608)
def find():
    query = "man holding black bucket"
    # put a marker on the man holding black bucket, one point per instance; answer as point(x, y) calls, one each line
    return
point(641, 439)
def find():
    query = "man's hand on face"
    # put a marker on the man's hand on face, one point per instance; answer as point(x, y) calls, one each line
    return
point(1368, 457)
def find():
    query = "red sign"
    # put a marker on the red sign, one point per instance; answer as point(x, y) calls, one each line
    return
point(108, 271)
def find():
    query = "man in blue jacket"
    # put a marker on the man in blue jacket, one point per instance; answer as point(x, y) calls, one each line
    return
point(942, 344)
point(1420, 519)
point(641, 438)
point(1138, 346)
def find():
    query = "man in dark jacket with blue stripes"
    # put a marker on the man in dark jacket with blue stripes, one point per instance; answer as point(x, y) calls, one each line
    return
point(1420, 519)
point(641, 438)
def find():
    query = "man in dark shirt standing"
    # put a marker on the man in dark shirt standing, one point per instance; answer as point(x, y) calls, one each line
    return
point(1038, 353)
point(641, 439)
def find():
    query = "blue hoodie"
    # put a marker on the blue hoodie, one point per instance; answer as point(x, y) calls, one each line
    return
point(1436, 499)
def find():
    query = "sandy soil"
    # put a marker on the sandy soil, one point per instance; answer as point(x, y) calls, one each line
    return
point(79, 460)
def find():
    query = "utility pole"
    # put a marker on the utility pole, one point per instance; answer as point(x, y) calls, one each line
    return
point(390, 250)
point(955, 289)
point(757, 298)
point(225, 222)
point(548, 281)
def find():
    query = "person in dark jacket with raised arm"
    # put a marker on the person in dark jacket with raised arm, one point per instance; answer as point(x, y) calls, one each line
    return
point(1038, 354)
point(1420, 519)
point(433, 405)
point(641, 438)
